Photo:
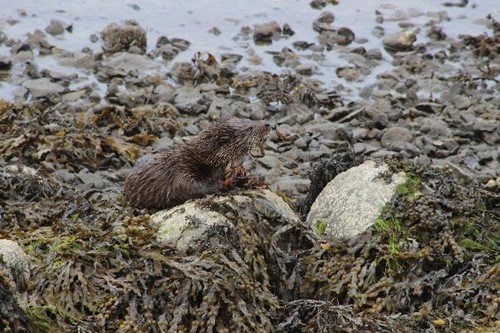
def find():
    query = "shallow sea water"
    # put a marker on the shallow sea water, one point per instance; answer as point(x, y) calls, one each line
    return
point(192, 19)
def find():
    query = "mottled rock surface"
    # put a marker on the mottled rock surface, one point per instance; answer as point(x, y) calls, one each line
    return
point(351, 202)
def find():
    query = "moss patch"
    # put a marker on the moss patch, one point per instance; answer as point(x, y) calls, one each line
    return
point(411, 186)
point(321, 227)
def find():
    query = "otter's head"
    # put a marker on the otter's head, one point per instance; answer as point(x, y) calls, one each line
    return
point(257, 138)
point(229, 141)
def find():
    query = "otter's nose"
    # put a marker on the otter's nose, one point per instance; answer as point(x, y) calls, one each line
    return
point(267, 125)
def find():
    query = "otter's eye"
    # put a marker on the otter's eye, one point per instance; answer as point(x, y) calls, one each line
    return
point(267, 125)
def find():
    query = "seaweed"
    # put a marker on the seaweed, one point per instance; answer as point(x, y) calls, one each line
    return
point(419, 257)
point(12, 317)
point(429, 263)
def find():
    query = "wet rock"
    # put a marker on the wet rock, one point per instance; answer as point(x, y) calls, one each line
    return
point(122, 64)
point(5, 63)
point(326, 17)
point(482, 125)
point(342, 36)
point(135, 50)
point(231, 58)
point(287, 30)
point(130, 98)
point(348, 73)
point(120, 38)
point(93, 38)
point(79, 60)
point(436, 33)
point(318, 4)
point(266, 32)
point(56, 27)
point(351, 202)
point(183, 72)
point(65, 176)
point(290, 186)
point(92, 180)
point(170, 48)
point(396, 137)
point(270, 162)
point(214, 31)
point(180, 44)
point(430, 107)
point(190, 101)
point(302, 45)
point(401, 41)
point(37, 40)
point(461, 102)
point(442, 148)
point(374, 54)
point(193, 228)
point(42, 87)
point(307, 69)
point(63, 79)
point(286, 58)
point(74, 96)
point(14, 262)
point(322, 27)
point(134, 6)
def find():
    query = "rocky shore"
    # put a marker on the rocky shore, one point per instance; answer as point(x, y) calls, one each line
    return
point(404, 239)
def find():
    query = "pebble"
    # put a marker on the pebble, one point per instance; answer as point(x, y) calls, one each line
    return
point(42, 87)
point(119, 38)
point(461, 102)
point(56, 27)
point(402, 41)
point(266, 32)
point(395, 136)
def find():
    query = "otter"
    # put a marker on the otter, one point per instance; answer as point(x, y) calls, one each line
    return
point(195, 168)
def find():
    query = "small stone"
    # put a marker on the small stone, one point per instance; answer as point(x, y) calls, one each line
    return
point(42, 87)
point(94, 38)
point(461, 102)
point(269, 162)
point(430, 107)
point(74, 96)
point(348, 73)
point(191, 130)
point(5, 63)
point(343, 36)
point(302, 143)
point(120, 38)
point(326, 17)
point(491, 184)
point(56, 27)
point(395, 136)
point(306, 70)
point(287, 30)
point(214, 31)
point(266, 32)
point(374, 54)
point(402, 41)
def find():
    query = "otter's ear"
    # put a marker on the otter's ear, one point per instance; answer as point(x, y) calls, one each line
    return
point(224, 139)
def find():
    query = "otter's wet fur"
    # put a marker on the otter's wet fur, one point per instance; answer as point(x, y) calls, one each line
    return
point(195, 168)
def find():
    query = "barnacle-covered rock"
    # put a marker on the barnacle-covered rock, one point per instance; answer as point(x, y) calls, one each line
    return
point(198, 225)
point(123, 38)
point(14, 263)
